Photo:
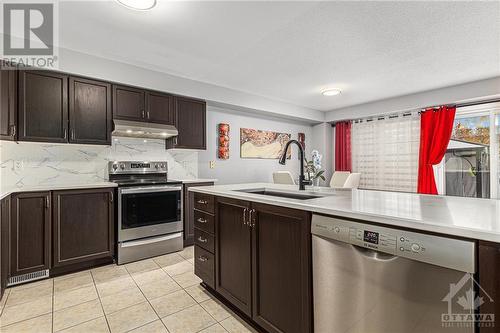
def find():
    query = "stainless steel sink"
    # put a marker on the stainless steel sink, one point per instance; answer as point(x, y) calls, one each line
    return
point(275, 193)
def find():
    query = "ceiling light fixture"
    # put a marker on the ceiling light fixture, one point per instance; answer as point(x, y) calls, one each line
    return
point(138, 4)
point(331, 92)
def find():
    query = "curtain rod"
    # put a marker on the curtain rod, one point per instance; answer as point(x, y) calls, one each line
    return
point(464, 104)
point(405, 113)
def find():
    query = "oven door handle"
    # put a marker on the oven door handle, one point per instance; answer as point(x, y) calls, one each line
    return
point(149, 189)
point(151, 240)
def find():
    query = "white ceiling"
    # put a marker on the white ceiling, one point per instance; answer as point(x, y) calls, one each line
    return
point(290, 51)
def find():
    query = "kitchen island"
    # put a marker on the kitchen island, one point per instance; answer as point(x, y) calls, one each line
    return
point(254, 240)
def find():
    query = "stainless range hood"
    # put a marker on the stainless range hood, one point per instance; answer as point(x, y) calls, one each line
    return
point(137, 129)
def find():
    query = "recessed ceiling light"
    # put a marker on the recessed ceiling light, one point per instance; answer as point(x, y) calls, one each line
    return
point(331, 92)
point(138, 4)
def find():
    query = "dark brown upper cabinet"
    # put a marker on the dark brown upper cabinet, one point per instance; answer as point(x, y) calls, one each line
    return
point(30, 233)
point(190, 115)
point(233, 253)
point(90, 114)
point(43, 106)
point(83, 225)
point(159, 108)
point(129, 103)
point(8, 104)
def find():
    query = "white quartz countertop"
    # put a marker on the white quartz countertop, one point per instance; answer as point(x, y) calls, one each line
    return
point(195, 180)
point(53, 187)
point(464, 217)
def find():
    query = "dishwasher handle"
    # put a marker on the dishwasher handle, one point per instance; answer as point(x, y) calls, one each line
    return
point(373, 254)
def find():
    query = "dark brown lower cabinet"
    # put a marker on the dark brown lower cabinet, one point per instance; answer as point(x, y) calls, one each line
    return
point(83, 225)
point(59, 231)
point(281, 269)
point(4, 243)
point(188, 212)
point(489, 280)
point(30, 233)
point(233, 253)
point(262, 263)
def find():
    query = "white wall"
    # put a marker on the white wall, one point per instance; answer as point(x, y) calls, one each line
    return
point(236, 169)
point(477, 90)
point(322, 141)
point(105, 69)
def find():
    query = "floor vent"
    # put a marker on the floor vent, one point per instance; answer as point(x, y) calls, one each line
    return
point(28, 277)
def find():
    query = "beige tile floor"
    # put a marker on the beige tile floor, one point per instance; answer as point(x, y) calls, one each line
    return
point(161, 294)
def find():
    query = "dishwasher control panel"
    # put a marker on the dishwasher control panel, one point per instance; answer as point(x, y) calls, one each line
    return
point(437, 250)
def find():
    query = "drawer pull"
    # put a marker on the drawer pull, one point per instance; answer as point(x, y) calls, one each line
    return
point(203, 202)
point(202, 258)
point(203, 240)
point(201, 220)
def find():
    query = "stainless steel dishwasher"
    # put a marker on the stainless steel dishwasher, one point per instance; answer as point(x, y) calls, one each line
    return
point(372, 279)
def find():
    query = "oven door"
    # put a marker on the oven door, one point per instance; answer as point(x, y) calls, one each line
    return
point(149, 211)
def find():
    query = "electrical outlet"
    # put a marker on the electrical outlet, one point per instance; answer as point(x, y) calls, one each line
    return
point(212, 164)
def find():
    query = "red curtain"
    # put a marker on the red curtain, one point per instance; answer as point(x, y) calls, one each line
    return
point(343, 146)
point(435, 132)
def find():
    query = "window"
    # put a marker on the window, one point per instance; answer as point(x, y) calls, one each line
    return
point(385, 152)
point(470, 166)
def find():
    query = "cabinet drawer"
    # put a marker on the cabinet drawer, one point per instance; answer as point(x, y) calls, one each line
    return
point(204, 221)
point(204, 202)
point(204, 240)
point(204, 266)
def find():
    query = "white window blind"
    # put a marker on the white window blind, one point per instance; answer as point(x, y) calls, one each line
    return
point(385, 152)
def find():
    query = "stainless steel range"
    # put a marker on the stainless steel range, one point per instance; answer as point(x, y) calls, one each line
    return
point(149, 210)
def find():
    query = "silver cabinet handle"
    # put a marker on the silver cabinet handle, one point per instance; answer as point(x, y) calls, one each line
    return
point(65, 133)
point(251, 223)
point(202, 258)
point(147, 113)
point(47, 202)
point(250, 218)
point(201, 220)
point(72, 134)
point(245, 216)
point(143, 114)
point(13, 134)
point(203, 202)
point(111, 197)
point(203, 240)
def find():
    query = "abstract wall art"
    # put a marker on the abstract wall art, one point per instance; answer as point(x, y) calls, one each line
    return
point(262, 144)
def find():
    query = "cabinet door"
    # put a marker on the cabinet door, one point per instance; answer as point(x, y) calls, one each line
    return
point(4, 243)
point(191, 124)
point(159, 108)
point(90, 117)
point(30, 232)
point(82, 225)
point(488, 276)
point(233, 254)
point(128, 103)
point(8, 104)
point(43, 106)
point(281, 268)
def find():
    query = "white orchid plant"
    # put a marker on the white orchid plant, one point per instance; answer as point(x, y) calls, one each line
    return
point(313, 166)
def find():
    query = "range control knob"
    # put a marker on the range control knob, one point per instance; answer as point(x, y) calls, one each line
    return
point(115, 166)
point(157, 166)
point(336, 229)
point(415, 247)
point(162, 165)
point(122, 166)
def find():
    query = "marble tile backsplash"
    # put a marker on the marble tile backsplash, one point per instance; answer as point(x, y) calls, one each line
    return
point(30, 164)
